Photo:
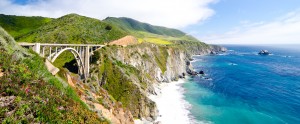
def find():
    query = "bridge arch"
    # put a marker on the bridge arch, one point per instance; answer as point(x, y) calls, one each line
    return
point(77, 56)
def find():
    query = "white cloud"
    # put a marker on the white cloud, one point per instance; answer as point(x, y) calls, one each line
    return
point(283, 30)
point(170, 13)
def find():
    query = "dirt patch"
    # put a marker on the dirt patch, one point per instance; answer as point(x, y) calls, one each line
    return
point(6, 100)
point(127, 40)
point(1, 73)
point(70, 81)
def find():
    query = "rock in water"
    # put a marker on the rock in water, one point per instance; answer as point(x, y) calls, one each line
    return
point(201, 72)
point(264, 52)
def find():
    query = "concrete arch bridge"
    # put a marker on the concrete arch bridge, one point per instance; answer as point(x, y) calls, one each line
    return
point(81, 52)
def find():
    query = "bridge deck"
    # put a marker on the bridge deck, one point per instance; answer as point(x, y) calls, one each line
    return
point(50, 44)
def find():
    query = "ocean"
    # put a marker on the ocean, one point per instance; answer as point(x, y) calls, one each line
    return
point(242, 87)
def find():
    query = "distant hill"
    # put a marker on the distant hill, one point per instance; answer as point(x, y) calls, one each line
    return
point(131, 24)
point(74, 28)
point(150, 33)
point(18, 25)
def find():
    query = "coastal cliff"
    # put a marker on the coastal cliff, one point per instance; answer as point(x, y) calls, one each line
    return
point(128, 73)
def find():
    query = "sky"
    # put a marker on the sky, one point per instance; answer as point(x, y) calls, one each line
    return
point(211, 21)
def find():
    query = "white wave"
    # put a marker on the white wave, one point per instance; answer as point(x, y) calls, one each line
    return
point(287, 56)
point(196, 60)
point(197, 55)
point(223, 54)
point(232, 64)
point(172, 107)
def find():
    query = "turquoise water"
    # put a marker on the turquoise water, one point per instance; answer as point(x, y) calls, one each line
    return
point(246, 88)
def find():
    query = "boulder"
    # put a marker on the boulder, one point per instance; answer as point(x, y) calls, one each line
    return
point(180, 76)
point(201, 72)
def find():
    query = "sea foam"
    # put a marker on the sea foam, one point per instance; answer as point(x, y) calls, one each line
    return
point(172, 108)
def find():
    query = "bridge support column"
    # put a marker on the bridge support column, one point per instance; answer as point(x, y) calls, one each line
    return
point(43, 51)
point(87, 61)
point(37, 48)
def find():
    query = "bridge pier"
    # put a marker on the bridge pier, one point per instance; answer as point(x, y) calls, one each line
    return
point(87, 60)
point(37, 48)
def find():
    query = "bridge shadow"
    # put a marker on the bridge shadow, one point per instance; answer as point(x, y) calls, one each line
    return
point(71, 66)
point(67, 61)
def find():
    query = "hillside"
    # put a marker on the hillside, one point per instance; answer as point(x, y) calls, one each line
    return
point(19, 25)
point(129, 24)
point(74, 28)
point(30, 94)
point(150, 33)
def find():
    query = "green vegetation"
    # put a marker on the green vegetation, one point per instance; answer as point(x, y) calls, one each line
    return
point(32, 94)
point(157, 41)
point(19, 25)
point(72, 28)
point(118, 82)
point(77, 29)
point(149, 33)
point(63, 58)
point(161, 59)
point(133, 25)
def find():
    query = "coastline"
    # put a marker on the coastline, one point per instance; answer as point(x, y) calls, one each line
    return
point(170, 101)
point(172, 108)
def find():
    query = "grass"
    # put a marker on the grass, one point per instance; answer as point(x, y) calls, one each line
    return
point(45, 95)
point(158, 41)
point(150, 33)
point(140, 40)
point(18, 25)
point(70, 28)
point(134, 25)
point(161, 58)
point(63, 58)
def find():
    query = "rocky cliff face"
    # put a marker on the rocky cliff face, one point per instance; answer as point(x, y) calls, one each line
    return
point(121, 78)
point(153, 64)
point(158, 63)
point(217, 48)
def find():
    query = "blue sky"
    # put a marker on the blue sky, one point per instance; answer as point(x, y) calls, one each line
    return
point(232, 14)
point(212, 21)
